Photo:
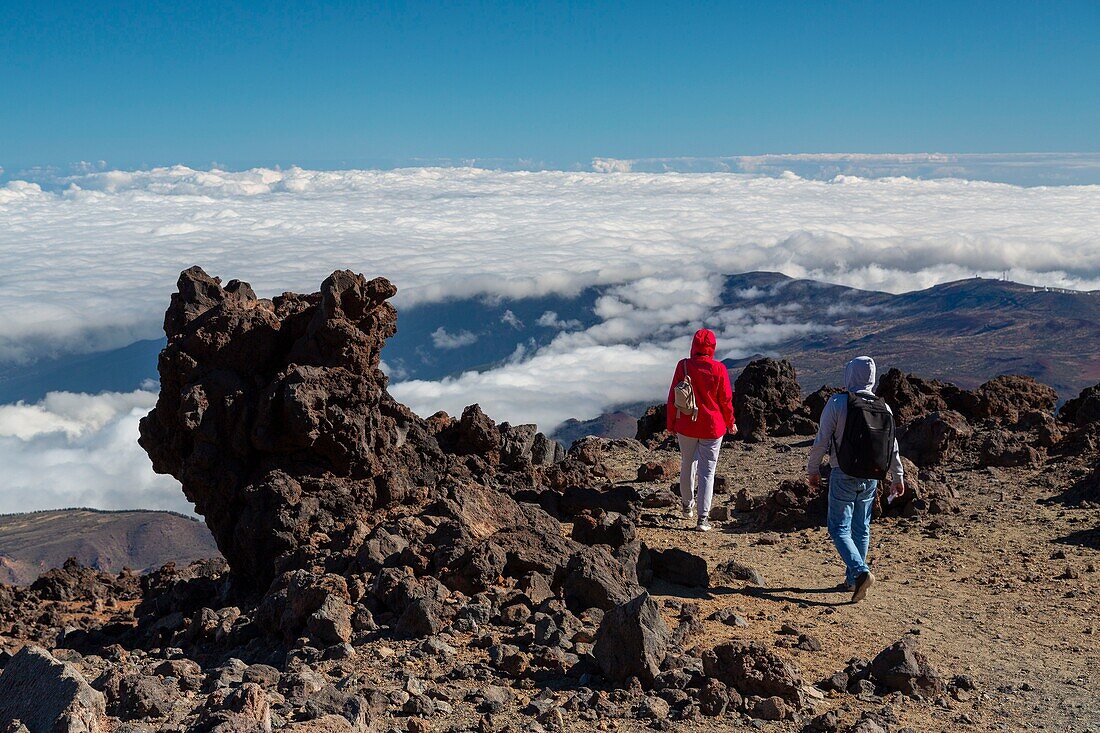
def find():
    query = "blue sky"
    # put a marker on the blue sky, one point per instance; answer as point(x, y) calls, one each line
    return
point(347, 84)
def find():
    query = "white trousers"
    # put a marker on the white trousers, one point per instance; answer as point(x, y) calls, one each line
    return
point(698, 459)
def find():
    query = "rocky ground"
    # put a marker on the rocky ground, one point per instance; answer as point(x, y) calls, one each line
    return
point(384, 572)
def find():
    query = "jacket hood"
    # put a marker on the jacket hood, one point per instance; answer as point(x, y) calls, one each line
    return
point(859, 374)
point(703, 343)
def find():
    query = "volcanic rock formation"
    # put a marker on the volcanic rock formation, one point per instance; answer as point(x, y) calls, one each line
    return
point(315, 482)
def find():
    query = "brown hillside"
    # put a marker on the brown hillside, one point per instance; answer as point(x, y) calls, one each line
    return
point(140, 540)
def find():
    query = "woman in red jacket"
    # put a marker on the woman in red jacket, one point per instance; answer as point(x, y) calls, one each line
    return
point(700, 434)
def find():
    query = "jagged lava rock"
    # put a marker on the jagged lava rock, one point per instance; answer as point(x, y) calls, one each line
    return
point(902, 667)
point(597, 527)
point(632, 641)
point(1005, 399)
point(49, 696)
point(935, 438)
point(1005, 449)
point(74, 582)
point(680, 567)
point(766, 393)
point(652, 426)
point(1084, 409)
point(754, 669)
point(275, 417)
point(925, 495)
point(792, 505)
point(911, 397)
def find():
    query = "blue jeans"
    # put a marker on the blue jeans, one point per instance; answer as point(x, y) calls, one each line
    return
point(850, 504)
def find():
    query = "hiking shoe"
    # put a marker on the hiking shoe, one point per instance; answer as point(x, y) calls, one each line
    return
point(688, 511)
point(703, 526)
point(845, 587)
point(863, 583)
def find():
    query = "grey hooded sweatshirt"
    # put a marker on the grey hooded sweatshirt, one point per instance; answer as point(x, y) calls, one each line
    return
point(859, 377)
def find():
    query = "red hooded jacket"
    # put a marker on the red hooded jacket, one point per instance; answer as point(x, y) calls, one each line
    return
point(713, 394)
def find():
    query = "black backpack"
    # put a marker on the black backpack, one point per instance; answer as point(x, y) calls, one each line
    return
point(867, 445)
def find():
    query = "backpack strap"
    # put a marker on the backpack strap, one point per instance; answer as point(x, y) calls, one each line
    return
point(833, 447)
point(685, 376)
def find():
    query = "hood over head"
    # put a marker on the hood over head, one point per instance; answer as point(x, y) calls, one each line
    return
point(859, 374)
point(703, 343)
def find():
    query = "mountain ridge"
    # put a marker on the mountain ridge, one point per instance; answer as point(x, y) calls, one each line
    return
point(107, 540)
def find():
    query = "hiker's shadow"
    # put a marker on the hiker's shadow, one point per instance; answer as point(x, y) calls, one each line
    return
point(777, 595)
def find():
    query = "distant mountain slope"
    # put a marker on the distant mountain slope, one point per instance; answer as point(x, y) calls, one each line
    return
point(966, 331)
point(622, 423)
point(141, 540)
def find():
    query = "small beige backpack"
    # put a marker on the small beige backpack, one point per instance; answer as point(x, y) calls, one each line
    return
point(684, 395)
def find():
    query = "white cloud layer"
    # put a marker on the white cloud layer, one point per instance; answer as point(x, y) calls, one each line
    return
point(1027, 169)
point(91, 267)
point(80, 450)
point(645, 328)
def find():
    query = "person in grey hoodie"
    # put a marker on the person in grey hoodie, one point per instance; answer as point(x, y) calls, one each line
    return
point(850, 499)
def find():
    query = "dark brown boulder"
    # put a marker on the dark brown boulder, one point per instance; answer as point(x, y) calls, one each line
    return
point(792, 505)
point(754, 669)
point(1004, 449)
point(766, 393)
point(523, 446)
point(597, 527)
point(297, 601)
point(795, 425)
point(570, 473)
point(632, 641)
point(659, 470)
point(680, 567)
point(1081, 418)
point(333, 504)
point(715, 698)
point(652, 428)
point(171, 589)
point(902, 667)
point(74, 582)
point(48, 695)
point(476, 433)
point(593, 578)
point(1086, 493)
point(815, 402)
point(1005, 399)
point(911, 397)
point(1083, 410)
point(935, 438)
point(275, 417)
point(924, 494)
point(636, 561)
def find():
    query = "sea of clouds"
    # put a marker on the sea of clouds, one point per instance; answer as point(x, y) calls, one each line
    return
point(80, 450)
point(89, 266)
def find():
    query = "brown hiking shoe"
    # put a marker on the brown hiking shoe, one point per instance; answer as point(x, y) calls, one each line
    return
point(863, 583)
